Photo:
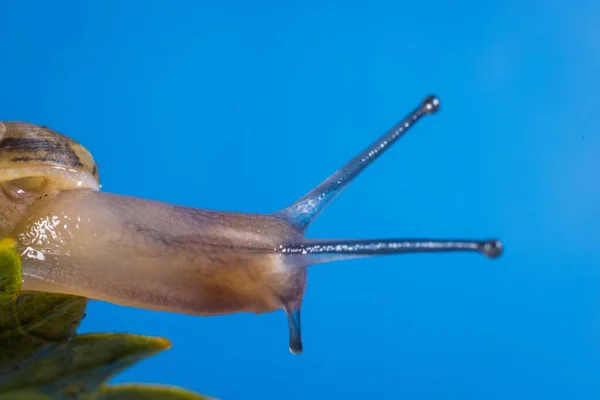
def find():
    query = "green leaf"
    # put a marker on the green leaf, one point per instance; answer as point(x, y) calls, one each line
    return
point(10, 270)
point(31, 324)
point(148, 392)
point(25, 395)
point(81, 366)
point(34, 324)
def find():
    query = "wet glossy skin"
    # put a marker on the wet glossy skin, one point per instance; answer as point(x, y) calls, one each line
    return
point(145, 253)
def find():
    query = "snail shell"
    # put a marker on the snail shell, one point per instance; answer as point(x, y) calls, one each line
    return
point(36, 161)
point(29, 151)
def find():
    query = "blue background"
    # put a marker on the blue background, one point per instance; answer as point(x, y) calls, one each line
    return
point(245, 106)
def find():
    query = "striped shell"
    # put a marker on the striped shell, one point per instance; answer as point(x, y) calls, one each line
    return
point(30, 151)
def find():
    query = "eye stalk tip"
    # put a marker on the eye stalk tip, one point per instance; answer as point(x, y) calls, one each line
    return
point(430, 105)
point(492, 248)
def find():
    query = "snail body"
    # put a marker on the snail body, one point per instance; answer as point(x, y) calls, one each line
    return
point(75, 239)
point(180, 259)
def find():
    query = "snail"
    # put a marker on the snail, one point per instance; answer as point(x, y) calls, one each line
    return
point(75, 239)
